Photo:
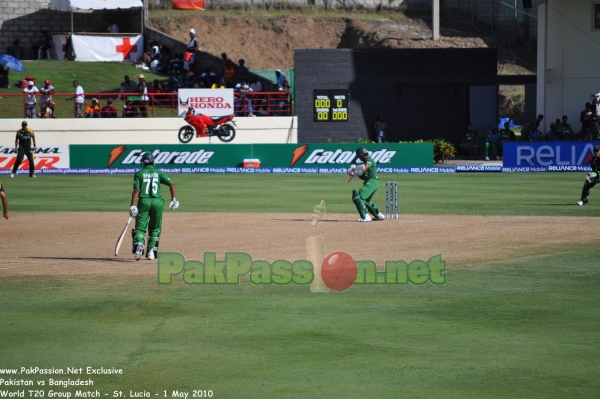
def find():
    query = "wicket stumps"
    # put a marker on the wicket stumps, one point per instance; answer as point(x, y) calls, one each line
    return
point(391, 199)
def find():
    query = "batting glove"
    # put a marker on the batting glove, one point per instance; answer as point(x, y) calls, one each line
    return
point(351, 170)
point(590, 177)
point(133, 211)
point(174, 204)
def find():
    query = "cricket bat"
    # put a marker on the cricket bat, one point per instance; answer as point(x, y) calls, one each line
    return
point(120, 240)
point(350, 175)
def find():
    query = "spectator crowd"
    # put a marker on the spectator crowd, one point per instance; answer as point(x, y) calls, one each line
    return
point(181, 70)
point(490, 144)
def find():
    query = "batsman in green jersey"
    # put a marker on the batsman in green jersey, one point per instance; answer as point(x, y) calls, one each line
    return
point(146, 194)
point(367, 172)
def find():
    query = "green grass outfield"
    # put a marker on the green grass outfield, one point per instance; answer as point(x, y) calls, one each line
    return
point(540, 194)
point(520, 328)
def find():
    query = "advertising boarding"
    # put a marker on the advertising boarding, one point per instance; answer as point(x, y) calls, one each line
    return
point(211, 102)
point(272, 158)
point(45, 157)
point(548, 156)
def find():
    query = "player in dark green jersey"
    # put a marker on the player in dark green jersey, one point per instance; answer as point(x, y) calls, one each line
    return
point(23, 148)
point(592, 178)
point(4, 201)
point(367, 172)
point(146, 194)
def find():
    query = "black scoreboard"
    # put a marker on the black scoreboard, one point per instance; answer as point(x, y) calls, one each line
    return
point(330, 105)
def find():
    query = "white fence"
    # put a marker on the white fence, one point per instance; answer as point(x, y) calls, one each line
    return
point(263, 130)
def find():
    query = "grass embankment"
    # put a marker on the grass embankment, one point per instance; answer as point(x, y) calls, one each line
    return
point(94, 77)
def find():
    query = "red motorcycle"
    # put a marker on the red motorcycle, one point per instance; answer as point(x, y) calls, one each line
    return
point(217, 126)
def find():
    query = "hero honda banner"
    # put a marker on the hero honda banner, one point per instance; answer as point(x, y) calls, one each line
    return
point(548, 155)
point(286, 156)
point(211, 102)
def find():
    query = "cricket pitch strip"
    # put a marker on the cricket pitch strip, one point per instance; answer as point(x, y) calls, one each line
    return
point(82, 244)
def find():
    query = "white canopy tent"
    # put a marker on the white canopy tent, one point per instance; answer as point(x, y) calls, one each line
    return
point(73, 5)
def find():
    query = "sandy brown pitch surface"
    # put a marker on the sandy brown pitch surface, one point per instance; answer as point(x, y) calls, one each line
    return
point(83, 243)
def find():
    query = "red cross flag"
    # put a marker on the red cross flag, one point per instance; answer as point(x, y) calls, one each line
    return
point(59, 44)
point(107, 48)
point(127, 48)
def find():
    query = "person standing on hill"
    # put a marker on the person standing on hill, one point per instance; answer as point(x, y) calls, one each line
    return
point(143, 90)
point(229, 74)
point(280, 78)
point(243, 72)
point(46, 103)
point(127, 86)
point(30, 99)
point(79, 98)
point(189, 57)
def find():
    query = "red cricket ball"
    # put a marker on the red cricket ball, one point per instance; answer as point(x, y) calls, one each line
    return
point(338, 271)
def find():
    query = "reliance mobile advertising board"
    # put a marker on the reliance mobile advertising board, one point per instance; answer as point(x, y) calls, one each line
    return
point(547, 156)
point(274, 158)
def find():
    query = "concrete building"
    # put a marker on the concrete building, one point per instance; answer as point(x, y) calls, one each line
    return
point(568, 57)
point(422, 93)
point(24, 19)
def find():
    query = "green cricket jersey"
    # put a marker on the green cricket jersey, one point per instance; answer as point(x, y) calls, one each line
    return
point(507, 135)
point(1, 188)
point(148, 180)
point(566, 132)
point(24, 137)
point(371, 172)
point(470, 135)
point(527, 129)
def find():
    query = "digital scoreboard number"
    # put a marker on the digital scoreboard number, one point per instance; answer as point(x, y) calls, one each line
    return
point(330, 105)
